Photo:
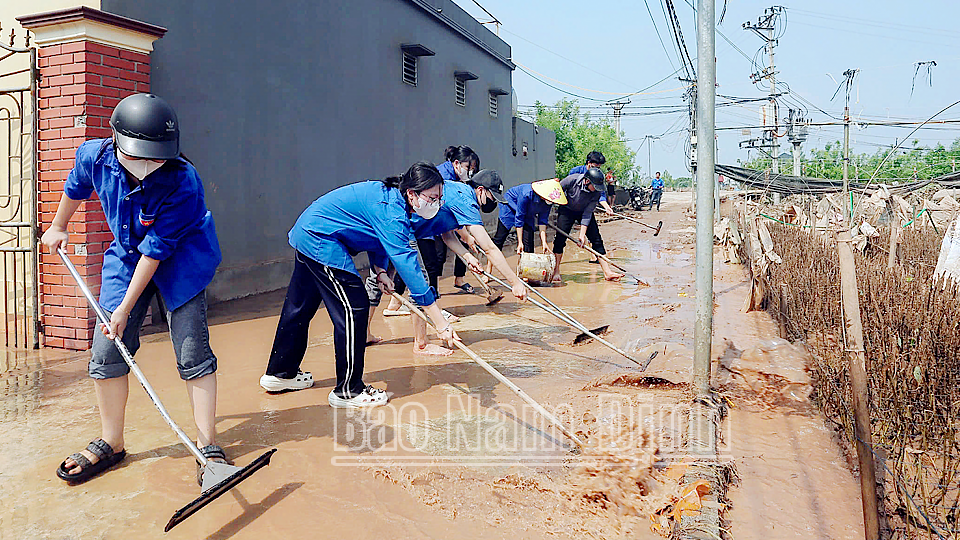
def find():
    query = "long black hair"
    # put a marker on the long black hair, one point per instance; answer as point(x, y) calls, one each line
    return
point(421, 176)
point(463, 154)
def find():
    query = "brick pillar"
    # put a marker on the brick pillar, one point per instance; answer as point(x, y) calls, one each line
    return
point(89, 60)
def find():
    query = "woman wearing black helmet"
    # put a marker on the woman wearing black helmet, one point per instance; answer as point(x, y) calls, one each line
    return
point(164, 240)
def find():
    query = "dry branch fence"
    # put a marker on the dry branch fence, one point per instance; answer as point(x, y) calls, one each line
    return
point(911, 327)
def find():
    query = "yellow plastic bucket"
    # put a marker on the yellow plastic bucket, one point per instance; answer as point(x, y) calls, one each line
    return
point(536, 266)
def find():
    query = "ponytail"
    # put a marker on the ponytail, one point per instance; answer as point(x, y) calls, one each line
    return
point(391, 181)
point(463, 154)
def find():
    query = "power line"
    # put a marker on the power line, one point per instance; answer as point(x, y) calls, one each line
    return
point(556, 88)
point(657, 29)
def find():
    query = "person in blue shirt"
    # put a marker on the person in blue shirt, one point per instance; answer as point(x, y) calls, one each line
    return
point(526, 207)
point(459, 165)
point(164, 240)
point(657, 186)
point(372, 217)
point(461, 212)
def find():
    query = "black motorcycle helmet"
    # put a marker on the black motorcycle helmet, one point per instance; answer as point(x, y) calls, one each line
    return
point(146, 127)
point(595, 176)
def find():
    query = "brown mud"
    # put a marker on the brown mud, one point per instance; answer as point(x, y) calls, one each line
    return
point(455, 455)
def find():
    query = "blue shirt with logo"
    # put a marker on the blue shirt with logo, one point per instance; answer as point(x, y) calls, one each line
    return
point(365, 216)
point(523, 208)
point(460, 208)
point(656, 183)
point(165, 218)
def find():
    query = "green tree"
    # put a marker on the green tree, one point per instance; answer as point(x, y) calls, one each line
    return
point(914, 162)
point(578, 135)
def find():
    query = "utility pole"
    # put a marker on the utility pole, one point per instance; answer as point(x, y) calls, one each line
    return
point(691, 97)
point(849, 75)
point(617, 107)
point(765, 28)
point(796, 134)
point(706, 174)
point(649, 140)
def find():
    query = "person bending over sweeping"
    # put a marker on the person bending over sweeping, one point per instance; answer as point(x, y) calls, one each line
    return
point(525, 207)
point(594, 161)
point(459, 165)
point(583, 192)
point(372, 216)
point(164, 239)
point(462, 205)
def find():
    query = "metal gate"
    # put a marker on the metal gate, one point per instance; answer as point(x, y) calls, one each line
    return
point(18, 194)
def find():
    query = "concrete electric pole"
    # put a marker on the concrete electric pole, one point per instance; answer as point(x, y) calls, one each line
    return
point(796, 134)
point(617, 107)
point(649, 140)
point(849, 75)
point(765, 28)
point(706, 173)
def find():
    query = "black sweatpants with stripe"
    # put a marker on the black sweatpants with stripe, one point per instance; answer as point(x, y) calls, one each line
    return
point(311, 284)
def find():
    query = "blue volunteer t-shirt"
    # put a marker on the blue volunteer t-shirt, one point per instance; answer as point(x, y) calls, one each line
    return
point(447, 172)
point(460, 208)
point(523, 208)
point(366, 216)
point(164, 218)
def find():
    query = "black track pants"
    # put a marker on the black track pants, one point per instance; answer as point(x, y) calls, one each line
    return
point(311, 284)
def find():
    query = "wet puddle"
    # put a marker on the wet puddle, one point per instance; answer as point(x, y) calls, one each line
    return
point(455, 454)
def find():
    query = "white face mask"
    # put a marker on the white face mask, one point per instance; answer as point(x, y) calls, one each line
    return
point(139, 168)
point(426, 210)
point(463, 173)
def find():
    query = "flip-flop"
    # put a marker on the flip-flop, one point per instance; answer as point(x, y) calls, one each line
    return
point(395, 312)
point(466, 287)
point(106, 458)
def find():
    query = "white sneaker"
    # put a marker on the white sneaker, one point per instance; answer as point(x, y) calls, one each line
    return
point(370, 397)
point(304, 379)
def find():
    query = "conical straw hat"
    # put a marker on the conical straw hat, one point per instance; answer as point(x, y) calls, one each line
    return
point(550, 190)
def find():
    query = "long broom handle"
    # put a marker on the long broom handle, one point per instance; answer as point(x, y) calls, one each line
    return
point(490, 369)
point(565, 317)
point(604, 257)
point(128, 358)
point(635, 220)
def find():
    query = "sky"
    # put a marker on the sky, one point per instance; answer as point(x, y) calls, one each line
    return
point(604, 50)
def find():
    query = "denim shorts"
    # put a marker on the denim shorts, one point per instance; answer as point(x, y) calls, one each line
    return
point(372, 286)
point(188, 332)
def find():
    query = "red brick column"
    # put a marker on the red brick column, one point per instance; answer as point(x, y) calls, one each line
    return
point(89, 60)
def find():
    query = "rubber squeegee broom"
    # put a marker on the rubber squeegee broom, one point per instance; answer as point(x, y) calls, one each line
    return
point(656, 230)
point(218, 478)
point(497, 375)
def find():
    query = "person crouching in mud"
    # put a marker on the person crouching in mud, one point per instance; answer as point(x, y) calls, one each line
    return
point(459, 214)
point(525, 207)
point(372, 216)
point(583, 191)
point(164, 239)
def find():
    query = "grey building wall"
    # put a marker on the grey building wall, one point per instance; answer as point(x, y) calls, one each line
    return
point(280, 102)
point(540, 160)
